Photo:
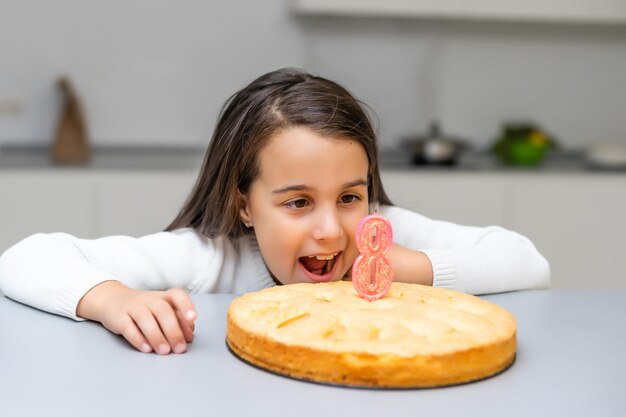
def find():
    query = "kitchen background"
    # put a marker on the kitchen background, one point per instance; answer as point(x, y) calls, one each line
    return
point(152, 76)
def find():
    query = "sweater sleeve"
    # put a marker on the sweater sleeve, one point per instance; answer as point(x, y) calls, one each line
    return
point(52, 272)
point(475, 260)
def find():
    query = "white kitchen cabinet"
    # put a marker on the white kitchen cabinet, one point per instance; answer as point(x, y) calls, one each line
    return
point(89, 203)
point(576, 219)
point(476, 199)
point(45, 202)
point(139, 203)
point(566, 11)
point(579, 224)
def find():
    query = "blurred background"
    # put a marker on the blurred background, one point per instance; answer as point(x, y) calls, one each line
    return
point(491, 112)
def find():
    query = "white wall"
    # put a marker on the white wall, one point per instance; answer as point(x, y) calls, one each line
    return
point(472, 76)
point(148, 72)
point(571, 79)
point(156, 72)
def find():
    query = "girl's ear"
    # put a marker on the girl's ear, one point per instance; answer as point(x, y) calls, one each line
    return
point(244, 210)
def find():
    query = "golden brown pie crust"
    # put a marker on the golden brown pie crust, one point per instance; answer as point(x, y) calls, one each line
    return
point(416, 336)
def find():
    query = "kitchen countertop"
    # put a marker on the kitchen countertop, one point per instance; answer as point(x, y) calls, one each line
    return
point(190, 158)
point(107, 158)
point(481, 160)
point(570, 362)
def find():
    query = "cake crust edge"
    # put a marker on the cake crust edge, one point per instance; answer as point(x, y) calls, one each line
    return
point(368, 370)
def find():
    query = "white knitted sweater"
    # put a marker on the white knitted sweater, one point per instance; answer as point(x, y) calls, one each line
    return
point(52, 272)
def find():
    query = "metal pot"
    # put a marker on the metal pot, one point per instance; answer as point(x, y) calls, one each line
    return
point(434, 148)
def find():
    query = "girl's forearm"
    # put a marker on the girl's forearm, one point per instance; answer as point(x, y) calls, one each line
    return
point(410, 266)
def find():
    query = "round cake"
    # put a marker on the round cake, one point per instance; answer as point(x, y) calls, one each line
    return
point(416, 336)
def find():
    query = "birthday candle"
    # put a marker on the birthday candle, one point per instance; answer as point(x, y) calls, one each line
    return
point(372, 274)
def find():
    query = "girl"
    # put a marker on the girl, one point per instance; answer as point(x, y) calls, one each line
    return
point(291, 169)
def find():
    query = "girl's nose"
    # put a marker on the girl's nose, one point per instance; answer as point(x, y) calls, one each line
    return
point(327, 225)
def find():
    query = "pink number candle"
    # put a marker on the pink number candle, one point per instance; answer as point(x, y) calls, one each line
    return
point(371, 273)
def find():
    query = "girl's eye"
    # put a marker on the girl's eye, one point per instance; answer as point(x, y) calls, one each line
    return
point(349, 198)
point(297, 204)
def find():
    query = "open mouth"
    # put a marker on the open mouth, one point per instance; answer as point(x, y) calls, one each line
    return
point(319, 268)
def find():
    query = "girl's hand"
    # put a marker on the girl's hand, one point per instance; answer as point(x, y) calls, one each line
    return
point(410, 266)
point(159, 321)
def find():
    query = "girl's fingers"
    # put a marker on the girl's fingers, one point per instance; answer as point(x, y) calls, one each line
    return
point(185, 311)
point(131, 333)
point(185, 326)
point(180, 301)
point(168, 322)
point(148, 325)
point(159, 321)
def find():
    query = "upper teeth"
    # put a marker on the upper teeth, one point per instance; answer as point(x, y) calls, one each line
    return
point(324, 258)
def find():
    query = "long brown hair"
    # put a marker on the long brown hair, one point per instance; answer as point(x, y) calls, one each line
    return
point(277, 100)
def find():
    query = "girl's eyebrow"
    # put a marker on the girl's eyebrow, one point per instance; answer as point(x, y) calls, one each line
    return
point(302, 187)
point(355, 183)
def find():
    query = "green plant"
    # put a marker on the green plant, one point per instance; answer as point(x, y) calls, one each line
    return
point(522, 144)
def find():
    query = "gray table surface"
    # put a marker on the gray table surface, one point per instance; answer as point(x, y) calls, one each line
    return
point(570, 362)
